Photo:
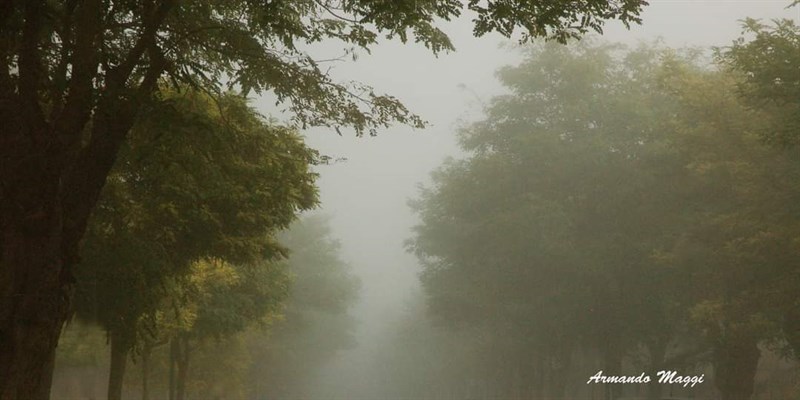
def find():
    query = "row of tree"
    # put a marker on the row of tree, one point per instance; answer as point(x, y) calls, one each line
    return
point(238, 349)
point(77, 76)
point(182, 244)
point(183, 249)
point(624, 211)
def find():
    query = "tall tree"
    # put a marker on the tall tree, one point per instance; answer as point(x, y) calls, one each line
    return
point(739, 253)
point(766, 58)
point(197, 178)
point(544, 235)
point(614, 201)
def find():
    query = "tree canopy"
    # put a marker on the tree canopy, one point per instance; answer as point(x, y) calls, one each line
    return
point(76, 76)
point(199, 182)
point(767, 59)
point(616, 204)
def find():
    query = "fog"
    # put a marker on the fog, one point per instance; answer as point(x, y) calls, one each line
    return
point(368, 194)
point(401, 332)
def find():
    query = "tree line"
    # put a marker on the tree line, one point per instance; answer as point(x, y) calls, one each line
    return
point(79, 76)
point(216, 330)
point(622, 210)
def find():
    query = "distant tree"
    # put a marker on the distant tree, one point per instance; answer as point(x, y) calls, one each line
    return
point(223, 300)
point(249, 331)
point(614, 201)
point(316, 322)
point(77, 75)
point(545, 233)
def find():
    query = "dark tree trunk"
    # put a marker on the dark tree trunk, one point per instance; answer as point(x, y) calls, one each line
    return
point(658, 351)
point(51, 174)
point(34, 308)
point(146, 371)
point(612, 366)
point(41, 225)
point(178, 366)
point(173, 360)
point(120, 347)
point(183, 367)
point(48, 190)
point(735, 363)
point(35, 284)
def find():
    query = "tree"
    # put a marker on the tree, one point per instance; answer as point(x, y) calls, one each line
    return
point(766, 62)
point(246, 330)
point(76, 75)
point(544, 236)
point(739, 253)
point(225, 300)
point(316, 322)
point(770, 80)
point(197, 178)
point(614, 203)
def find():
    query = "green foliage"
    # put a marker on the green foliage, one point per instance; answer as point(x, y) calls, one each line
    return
point(198, 179)
point(741, 250)
point(552, 19)
point(767, 60)
point(614, 201)
point(255, 330)
point(75, 79)
point(230, 298)
point(259, 45)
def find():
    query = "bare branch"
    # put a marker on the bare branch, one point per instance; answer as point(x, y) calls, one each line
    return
point(330, 11)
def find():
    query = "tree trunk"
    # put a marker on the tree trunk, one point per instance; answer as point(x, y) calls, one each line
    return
point(658, 351)
point(612, 365)
point(47, 192)
point(183, 367)
point(735, 363)
point(51, 175)
point(120, 347)
point(146, 371)
point(41, 225)
point(173, 360)
point(35, 302)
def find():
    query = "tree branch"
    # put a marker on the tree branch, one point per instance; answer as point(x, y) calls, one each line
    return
point(120, 74)
point(114, 116)
point(59, 81)
point(6, 39)
point(67, 54)
point(30, 68)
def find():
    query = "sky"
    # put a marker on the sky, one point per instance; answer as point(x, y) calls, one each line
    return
point(367, 195)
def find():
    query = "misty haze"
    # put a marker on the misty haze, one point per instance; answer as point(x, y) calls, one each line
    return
point(411, 199)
